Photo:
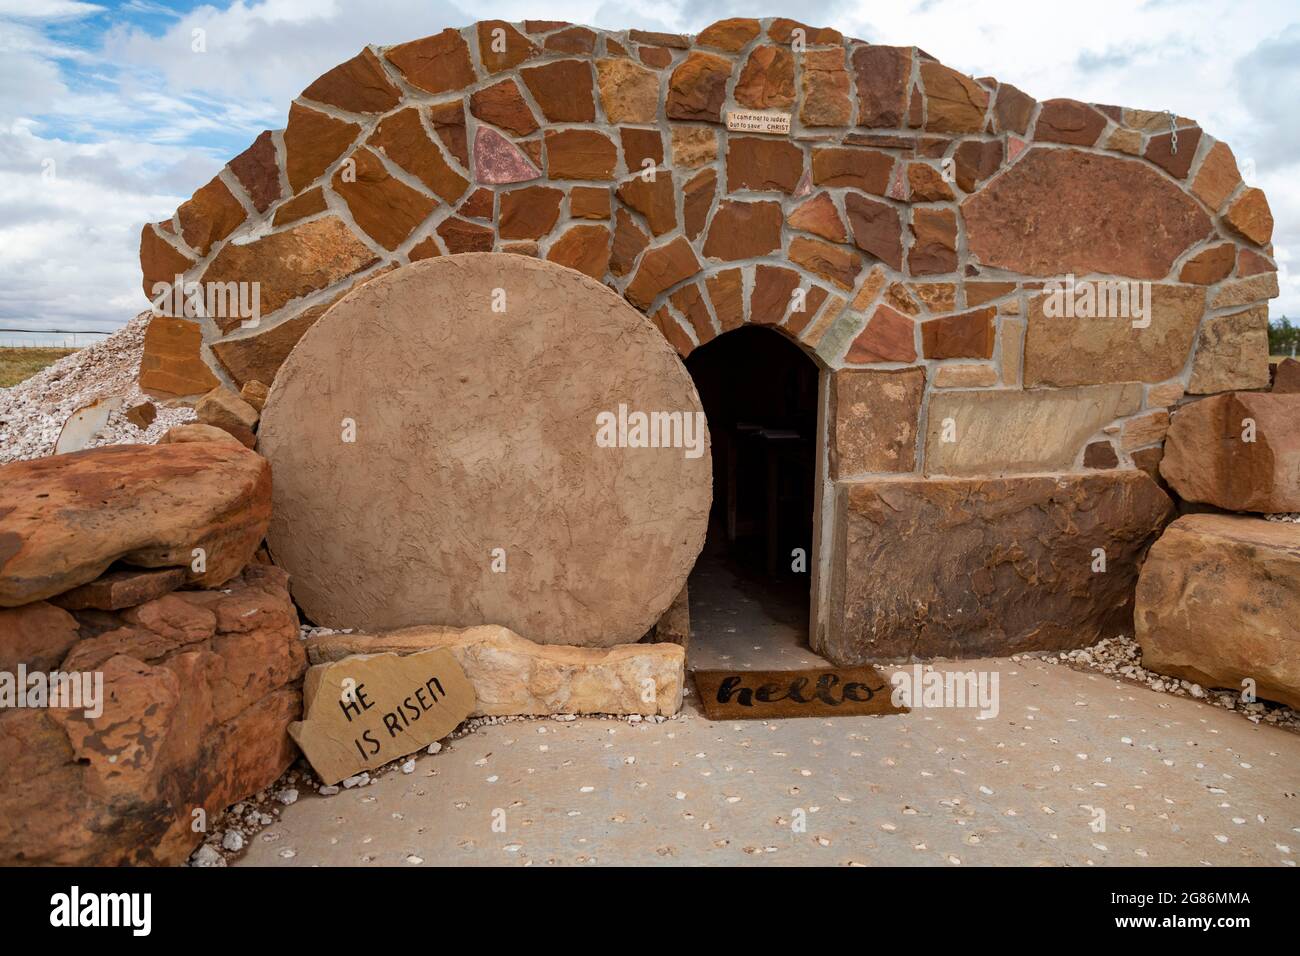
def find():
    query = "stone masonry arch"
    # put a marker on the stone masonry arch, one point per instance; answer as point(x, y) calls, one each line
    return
point(926, 221)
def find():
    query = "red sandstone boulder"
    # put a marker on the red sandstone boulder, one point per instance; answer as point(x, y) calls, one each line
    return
point(199, 688)
point(1239, 451)
point(1218, 601)
point(65, 519)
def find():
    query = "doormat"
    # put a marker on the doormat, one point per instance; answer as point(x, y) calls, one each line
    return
point(825, 692)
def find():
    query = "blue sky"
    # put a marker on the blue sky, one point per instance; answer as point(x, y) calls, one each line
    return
point(111, 98)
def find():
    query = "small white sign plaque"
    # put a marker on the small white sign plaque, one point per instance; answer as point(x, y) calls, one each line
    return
point(750, 121)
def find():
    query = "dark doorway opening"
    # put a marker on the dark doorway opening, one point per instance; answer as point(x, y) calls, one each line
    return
point(750, 589)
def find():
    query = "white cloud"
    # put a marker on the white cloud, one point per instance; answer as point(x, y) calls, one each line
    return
point(47, 9)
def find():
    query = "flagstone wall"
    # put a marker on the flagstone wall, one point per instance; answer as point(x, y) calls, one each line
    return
point(902, 222)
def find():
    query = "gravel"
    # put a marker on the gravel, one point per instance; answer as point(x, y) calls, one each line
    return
point(32, 413)
point(1122, 657)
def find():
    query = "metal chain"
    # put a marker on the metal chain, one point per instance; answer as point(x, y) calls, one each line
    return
point(1173, 132)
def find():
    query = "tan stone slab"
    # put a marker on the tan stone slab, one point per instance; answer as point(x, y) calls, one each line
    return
point(1144, 430)
point(172, 364)
point(874, 414)
point(1245, 291)
point(1231, 353)
point(366, 710)
point(1218, 601)
point(1088, 351)
point(995, 431)
point(965, 376)
point(513, 676)
point(484, 458)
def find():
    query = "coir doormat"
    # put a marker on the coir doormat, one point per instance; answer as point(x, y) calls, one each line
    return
point(762, 695)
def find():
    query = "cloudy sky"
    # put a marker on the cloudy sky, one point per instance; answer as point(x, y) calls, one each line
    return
point(109, 119)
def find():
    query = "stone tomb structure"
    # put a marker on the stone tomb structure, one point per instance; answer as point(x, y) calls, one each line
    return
point(985, 432)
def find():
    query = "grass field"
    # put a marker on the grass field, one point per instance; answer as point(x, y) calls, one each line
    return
point(18, 365)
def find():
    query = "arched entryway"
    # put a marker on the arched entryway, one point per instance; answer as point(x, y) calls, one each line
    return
point(750, 589)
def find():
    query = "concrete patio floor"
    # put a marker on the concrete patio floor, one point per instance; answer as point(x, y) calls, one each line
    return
point(1181, 783)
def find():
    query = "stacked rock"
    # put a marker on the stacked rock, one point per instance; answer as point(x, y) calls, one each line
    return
point(148, 668)
point(1219, 595)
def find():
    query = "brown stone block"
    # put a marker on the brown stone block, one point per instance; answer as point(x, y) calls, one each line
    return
point(743, 230)
point(991, 431)
point(210, 215)
point(695, 146)
point(1250, 216)
point(889, 336)
point(1012, 110)
point(771, 295)
point(954, 103)
point(985, 567)
point(402, 139)
point(1063, 350)
point(435, 64)
point(563, 89)
point(1160, 150)
point(656, 200)
point(726, 291)
point(146, 505)
point(573, 40)
point(384, 206)
point(782, 30)
point(689, 301)
point(730, 35)
point(975, 161)
point(258, 171)
point(502, 47)
point(1218, 176)
point(969, 335)
point(1069, 121)
point(585, 248)
point(697, 200)
point(629, 242)
point(503, 105)
point(758, 163)
point(834, 263)
point(358, 85)
point(934, 242)
point(640, 145)
point(160, 261)
point(460, 235)
point(882, 74)
point(580, 154)
point(529, 213)
point(290, 264)
point(1211, 265)
point(865, 169)
point(312, 142)
point(1231, 352)
point(661, 268)
point(589, 202)
point(876, 228)
point(301, 206)
point(697, 88)
point(767, 79)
